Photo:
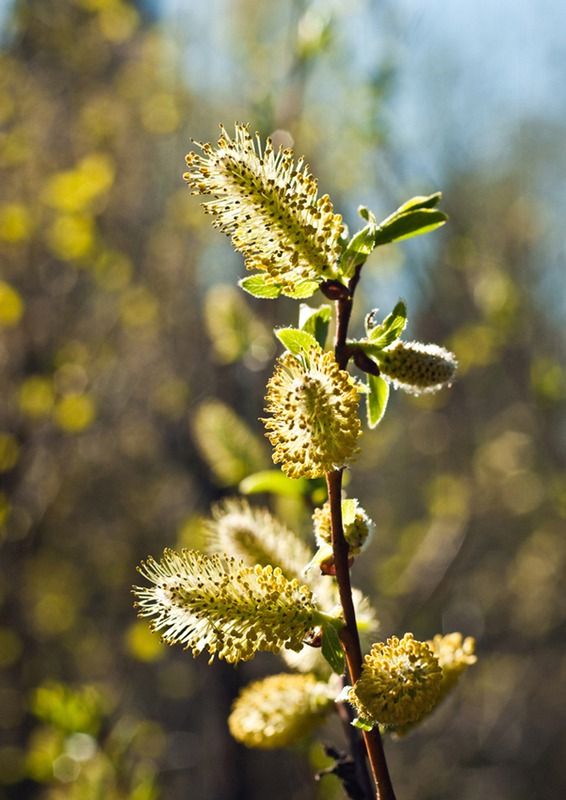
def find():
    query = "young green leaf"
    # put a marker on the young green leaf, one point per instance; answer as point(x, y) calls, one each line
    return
point(376, 399)
point(420, 201)
point(274, 481)
point(349, 508)
point(296, 341)
point(315, 321)
point(257, 286)
point(410, 223)
point(366, 214)
point(362, 724)
point(332, 649)
point(358, 248)
point(391, 328)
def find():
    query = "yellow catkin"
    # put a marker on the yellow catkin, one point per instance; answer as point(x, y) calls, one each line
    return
point(400, 682)
point(314, 425)
point(279, 710)
point(269, 206)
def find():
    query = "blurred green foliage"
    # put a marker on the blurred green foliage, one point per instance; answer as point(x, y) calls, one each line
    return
point(110, 444)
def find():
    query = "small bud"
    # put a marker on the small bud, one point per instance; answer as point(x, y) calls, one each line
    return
point(334, 290)
point(365, 363)
point(358, 527)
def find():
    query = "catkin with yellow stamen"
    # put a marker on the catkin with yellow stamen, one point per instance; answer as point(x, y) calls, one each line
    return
point(270, 208)
point(218, 604)
point(400, 682)
point(314, 425)
point(256, 536)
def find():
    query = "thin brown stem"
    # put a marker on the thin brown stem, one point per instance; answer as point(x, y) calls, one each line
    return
point(349, 633)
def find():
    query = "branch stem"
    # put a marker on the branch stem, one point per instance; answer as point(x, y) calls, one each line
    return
point(349, 633)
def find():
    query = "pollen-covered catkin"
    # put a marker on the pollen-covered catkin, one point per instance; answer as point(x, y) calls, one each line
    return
point(400, 682)
point(269, 206)
point(314, 425)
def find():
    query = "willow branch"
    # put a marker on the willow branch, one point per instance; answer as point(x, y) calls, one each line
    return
point(349, 633)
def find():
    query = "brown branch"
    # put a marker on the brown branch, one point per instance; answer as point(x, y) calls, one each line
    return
point(349, 633)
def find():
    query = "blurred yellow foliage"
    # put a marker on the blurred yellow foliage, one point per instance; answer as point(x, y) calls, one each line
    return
point(448, 495)
point(11, 647)
point(138, 307)
point(160, 113)
point(71, 236)
point(74, 413)
point(113, 270)
point(11, 305)
point(5, 508)
point(74, 191)
point(142, 644)
point(9, 451)
point(118, 21)
point(15, 222)
point(36, 396)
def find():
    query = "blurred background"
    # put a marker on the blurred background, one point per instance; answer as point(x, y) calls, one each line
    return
point(133, 373)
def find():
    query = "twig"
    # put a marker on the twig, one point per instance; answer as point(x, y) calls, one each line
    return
point(349, 633)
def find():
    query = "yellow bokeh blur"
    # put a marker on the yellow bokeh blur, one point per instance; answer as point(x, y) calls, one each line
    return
point(36, 396)
point(113, 270)
point(448, 495)
point(142, 643)
point(9, 451)
point(10, 647)
point(138, 307)
point(71, 236)
point(5, 509)
point(475, 346)
point(74, 413)
point(118, 21)
point(7, 106)
point(11, 305)
point(160, 113)
point(15, 222)
point(75, 190)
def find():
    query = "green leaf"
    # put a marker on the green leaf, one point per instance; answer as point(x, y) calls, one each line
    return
point(302, 290)
point(418, 215)
point(296, 341)
point(256, 285)
point(420, 201)
point(362, 724)
point(366, 214)
point(332, 649)
point(315, 321)
point(411, 223)
point(274, 481)
point(376, 400)
point(391, 328)
point(349, 508)
point(358, 249)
